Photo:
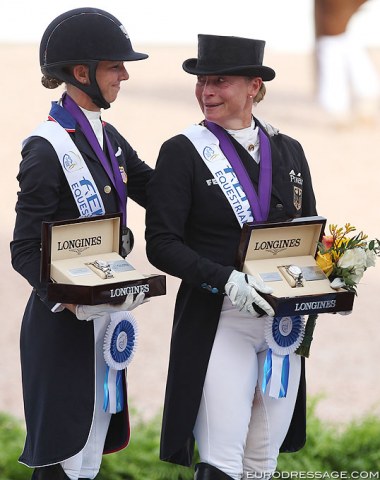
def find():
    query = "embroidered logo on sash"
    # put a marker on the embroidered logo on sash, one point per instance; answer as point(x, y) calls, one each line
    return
point(209, 154)
point(72, 162)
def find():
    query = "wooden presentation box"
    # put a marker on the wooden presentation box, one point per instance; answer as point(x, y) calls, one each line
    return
point(69, 249)
point(267, 250)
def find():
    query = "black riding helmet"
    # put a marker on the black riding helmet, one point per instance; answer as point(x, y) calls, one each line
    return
point(84, 36)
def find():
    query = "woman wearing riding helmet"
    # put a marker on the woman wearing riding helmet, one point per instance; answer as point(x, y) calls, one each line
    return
point(61, 357)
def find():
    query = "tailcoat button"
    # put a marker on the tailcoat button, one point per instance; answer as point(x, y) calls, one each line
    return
point(107, 189)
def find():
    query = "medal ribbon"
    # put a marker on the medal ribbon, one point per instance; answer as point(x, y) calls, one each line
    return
point(283, 336)
point(260, 203)
point(276, 369)
point(113, 391)
point(112, 170)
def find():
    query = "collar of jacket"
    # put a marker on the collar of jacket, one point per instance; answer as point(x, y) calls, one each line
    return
point(67, 121)
point(63, 117)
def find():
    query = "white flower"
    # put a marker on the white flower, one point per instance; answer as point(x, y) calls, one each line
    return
point(355, 259)
point(371, 258)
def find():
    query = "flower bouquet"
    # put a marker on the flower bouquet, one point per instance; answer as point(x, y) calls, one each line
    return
point(344, 259)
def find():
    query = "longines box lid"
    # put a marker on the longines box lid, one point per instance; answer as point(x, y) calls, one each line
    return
point(81, 263)
point(283, 256)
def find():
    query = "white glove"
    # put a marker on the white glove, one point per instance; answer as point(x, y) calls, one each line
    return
point(92, 312)
point(242, 290)
point(336, 284)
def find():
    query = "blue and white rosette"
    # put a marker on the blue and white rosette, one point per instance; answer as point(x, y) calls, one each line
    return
point(283, 336)
point(119, 347)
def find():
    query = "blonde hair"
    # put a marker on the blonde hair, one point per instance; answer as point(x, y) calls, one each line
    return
point(260, 94)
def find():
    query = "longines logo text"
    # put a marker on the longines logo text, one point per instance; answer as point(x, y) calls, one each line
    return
point(276, 246)
point(120, 292)
point(315, 305)
point(79, 244)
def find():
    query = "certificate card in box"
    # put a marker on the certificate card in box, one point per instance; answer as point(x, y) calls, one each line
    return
point(283, 255)
point(81, 263)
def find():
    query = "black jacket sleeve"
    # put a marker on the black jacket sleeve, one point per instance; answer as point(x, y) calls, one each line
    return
point(40, 178)
point(168, 234)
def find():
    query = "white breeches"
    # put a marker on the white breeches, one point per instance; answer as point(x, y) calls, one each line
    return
point(239, 429)
point(86, 463)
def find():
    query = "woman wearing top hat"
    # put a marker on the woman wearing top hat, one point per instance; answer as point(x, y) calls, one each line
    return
point(195, 212)
point(63, 368)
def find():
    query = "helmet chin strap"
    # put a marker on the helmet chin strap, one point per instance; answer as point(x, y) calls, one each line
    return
point(92, 89)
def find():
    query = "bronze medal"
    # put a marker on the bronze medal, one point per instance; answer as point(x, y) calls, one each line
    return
point(127, 241)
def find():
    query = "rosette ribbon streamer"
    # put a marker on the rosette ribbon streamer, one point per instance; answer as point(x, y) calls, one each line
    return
point(118, 348)
point(283, 336)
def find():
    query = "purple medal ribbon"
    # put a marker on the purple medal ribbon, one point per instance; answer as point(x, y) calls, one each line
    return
point(112, 170)
point(259, 203)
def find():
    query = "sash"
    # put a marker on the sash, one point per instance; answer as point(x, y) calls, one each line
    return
point(79, 178)
point(221, 158)
point(115, 173)
point(207, 145)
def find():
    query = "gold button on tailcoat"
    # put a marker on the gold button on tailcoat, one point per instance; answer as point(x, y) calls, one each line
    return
point(107, 189)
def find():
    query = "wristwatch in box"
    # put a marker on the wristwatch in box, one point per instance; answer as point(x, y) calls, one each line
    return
point(293, 275)
point(101, 268)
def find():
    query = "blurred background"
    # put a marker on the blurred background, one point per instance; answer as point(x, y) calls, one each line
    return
point(287, 26)
point(158, 102)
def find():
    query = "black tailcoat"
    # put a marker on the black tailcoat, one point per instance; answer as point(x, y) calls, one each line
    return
point(192, 233)
point(57, 350)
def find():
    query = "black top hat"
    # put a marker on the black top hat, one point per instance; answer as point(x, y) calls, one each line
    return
point(229, 56)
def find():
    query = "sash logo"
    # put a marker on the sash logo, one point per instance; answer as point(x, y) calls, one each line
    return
point(276, 246)
point(79, 245)
point(72, 162)
point(209, 154)
point(123, 291)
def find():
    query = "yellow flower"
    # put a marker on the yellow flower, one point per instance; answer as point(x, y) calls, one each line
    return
point(339, 249)
point(325, 262)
